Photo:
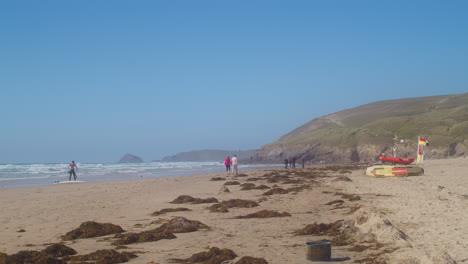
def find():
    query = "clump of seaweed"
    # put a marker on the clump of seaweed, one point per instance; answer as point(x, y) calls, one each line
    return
point(168, 210)
point(321, 229)
point(264, 214)
point(3, 257)
point(276, 191)
point(232, 183)
point(218, 179)
point(254, 179)
point(343, 239)
point(165, 231)
point(146, 236)
point(213, 256)
point(292, 181)
point(104, 256)
point(59, 250)
point(251, 260)
point(218, 208)
point(189, 199)
point(343, 178)
point(261, 187)
point(298, 188)
point(30, 256)
point(240, 203)
point(241, 175)
point(247, 186)
point(277, 178)
point(92, 229)
point(182, 225)
point(349, 197)
point(339, 202)
point(206, 200)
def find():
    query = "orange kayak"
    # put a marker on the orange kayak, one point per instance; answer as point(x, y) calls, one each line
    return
point(396, 160)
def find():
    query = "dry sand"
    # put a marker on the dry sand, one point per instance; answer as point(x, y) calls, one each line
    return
point(420, 219)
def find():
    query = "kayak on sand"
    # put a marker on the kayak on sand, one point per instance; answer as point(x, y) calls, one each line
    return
point(396, 160)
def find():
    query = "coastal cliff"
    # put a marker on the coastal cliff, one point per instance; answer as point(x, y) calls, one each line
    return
point(361, 134)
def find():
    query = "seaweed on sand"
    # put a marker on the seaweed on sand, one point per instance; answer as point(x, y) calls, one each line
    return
point(182, 225)
point(239, 203)
point(104, 256)
point(251, 260)
point(340, 202)
point(292, 181)
point(59, 250)
point(232, 183)
point(29, 256)
point(92, 229)
point(168, 210)
point(349, 197)
point(322, 229)
point(213, 256)
point(218, 208)
point(264, 214)
point(145, 236)
point(165, 231)
point(254, 179)
point(276, 191)
point(261, 187)
point(189, 199)
point(247, 186)
point(218, 179)
point(343, 178)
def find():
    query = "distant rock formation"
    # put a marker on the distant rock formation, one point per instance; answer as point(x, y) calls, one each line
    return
point(129, 158)
point(209, 155)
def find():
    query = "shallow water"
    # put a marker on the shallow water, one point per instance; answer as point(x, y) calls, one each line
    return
point(36, 174)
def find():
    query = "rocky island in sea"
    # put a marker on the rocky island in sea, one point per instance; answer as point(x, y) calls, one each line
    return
point(129, 158)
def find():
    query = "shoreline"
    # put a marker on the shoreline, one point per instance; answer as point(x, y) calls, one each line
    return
point(51, 180)
point(420, 207)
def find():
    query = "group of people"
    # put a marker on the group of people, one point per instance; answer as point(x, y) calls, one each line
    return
point(231, 162)
point(292, 162)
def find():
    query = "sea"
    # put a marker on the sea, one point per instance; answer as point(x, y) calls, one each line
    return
point(40, 174)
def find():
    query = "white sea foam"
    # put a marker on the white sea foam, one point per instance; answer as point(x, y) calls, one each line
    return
point(41, 173)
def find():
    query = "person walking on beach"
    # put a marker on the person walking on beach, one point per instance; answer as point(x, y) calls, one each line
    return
point(227, 162)
point(293, 162)
point(286, 161)
point(303, 161)
point(72, 170)
point(234, 163)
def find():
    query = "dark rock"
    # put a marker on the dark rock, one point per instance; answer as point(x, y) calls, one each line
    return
point(129, 158)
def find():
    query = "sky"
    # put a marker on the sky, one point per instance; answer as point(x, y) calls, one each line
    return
point(93, 80)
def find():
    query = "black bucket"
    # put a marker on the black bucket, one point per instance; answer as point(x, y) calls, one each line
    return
point(318, 251)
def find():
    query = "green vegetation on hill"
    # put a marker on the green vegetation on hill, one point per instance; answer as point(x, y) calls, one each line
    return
point(443, 120)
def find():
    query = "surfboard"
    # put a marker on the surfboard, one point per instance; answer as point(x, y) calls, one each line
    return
point(64, 182)
point(394, 171)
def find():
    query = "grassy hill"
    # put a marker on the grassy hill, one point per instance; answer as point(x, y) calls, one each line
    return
point(375, 127)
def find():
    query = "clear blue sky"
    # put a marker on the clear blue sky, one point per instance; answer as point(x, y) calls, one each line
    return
point(93, 80)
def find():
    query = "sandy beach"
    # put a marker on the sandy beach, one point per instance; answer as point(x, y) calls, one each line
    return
point(418, 219)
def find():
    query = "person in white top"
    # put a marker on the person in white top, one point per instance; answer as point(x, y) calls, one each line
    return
point(234, 163)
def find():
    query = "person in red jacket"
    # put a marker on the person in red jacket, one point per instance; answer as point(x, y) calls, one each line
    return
point(227, 162)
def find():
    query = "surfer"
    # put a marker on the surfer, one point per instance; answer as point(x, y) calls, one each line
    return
point(71, 170)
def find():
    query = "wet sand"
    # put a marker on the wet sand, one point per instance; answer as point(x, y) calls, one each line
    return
point(419, 219)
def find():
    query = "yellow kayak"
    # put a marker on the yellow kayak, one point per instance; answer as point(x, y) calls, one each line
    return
point(394, 171)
